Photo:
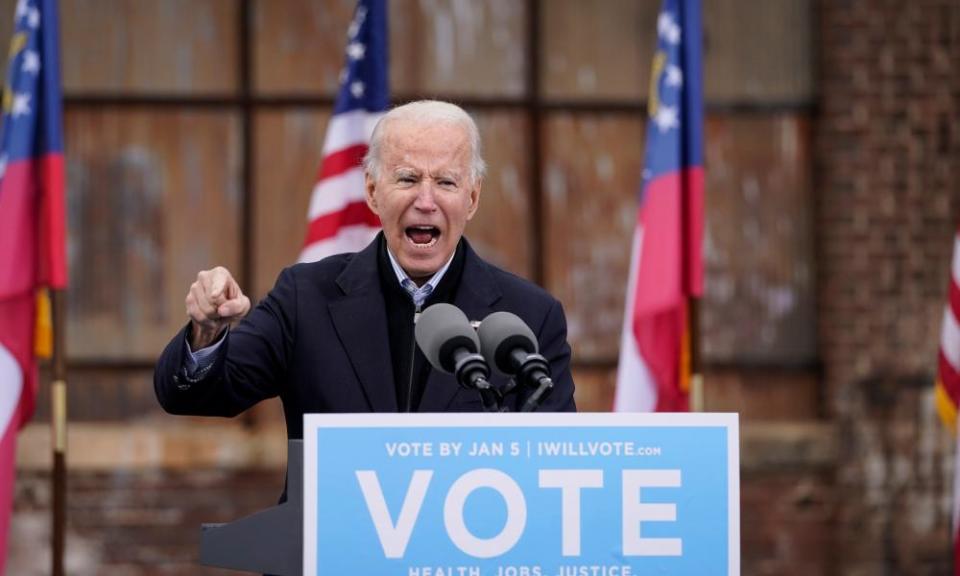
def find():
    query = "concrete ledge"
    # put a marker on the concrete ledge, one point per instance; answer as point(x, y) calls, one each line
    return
point(187, 445)
point(778, 446)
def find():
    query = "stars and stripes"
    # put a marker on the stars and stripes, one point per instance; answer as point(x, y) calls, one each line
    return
point(32, 229)
point(339, 220)
point(666, 267)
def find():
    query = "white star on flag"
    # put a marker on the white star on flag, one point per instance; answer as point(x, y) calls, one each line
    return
point(21, 9)
point(668, 29)
point(356, 50)
point(674, 76)
point(666, 118)
point(356, 89)
point(31, 62)
point(33, 18)
point(21, 104)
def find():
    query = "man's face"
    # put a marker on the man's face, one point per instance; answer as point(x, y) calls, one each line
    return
point(424, 195)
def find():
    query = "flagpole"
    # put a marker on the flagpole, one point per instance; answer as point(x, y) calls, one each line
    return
point(697, 400)
point(58, 422)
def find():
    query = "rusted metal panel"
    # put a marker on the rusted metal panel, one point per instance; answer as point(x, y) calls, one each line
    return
point(298, 45)
point(591, 174)
point(759, 300)
point(753, 51)
point(451, 47)
point(174, 46)
point(500, 231)
point(153, 197)
point(469, 48)
point(288, 149)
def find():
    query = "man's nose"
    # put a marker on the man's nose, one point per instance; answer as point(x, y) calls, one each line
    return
point(425, 200)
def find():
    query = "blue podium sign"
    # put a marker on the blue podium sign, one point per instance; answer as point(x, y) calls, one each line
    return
point(521, 494)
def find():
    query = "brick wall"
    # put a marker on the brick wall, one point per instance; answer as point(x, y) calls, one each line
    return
point(888, 156)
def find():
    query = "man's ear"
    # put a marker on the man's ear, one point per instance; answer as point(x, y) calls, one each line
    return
point(474, 200)
point(371, 187)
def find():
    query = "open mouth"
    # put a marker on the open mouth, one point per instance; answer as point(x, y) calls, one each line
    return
point(423, 236)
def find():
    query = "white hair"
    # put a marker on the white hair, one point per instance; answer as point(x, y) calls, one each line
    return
point(427, 111)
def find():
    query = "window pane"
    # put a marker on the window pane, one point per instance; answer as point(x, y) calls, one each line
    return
point(6, 32)
point(759, 301)
point(597, 49)
point(500, 231)
point(153, 198)
point(592, 169)
point(288, 152)
point(179, 46)
point(298, 45)
point(457, 47)
point(436, 46)
point(757, 51)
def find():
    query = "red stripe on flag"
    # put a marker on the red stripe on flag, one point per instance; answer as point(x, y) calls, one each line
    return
point(53, 223)
point(659, 340)
point(32, 226)
point(328, 225)
point(949, 377)
point(671, 260)
point(670, 271)
point(341, 161)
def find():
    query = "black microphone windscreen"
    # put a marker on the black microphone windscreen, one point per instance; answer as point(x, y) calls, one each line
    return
point(501, 333)
point(441, 329)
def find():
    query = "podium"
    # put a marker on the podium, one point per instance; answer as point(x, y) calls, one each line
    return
point(498, 495)
point(267, 542)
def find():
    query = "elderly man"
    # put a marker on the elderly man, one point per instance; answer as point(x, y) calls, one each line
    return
point(338, 335)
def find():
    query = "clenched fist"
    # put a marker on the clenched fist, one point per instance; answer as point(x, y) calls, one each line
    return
point(213, 302)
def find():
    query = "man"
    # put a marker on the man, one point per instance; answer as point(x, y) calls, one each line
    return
point(338, 335)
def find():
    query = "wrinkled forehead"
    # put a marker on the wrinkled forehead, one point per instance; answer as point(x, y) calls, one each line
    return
point(439, 140)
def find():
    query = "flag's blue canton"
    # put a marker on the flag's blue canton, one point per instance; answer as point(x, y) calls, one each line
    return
point(31, 123)
point(363, 80)
point(674, 140)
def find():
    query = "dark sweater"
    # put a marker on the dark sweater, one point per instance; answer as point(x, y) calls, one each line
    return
point(411, 380)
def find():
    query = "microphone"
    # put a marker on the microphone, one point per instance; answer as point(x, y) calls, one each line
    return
point(452, 346)
point(510, 346)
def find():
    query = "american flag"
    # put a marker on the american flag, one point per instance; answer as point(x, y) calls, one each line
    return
point(339, 220)
point(666, 267)
point(948, 382)
point(32, 229)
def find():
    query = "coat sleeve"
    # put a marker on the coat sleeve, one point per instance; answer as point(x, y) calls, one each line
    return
point(251, 366)
point(554, 347)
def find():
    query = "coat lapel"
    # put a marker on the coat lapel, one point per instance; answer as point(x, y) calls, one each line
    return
point(360, 319)
point(477, 293)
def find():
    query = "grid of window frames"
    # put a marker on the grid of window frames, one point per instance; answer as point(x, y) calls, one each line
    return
point(193, 133)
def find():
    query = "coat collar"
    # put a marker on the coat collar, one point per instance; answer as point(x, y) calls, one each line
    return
point(360, 319)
